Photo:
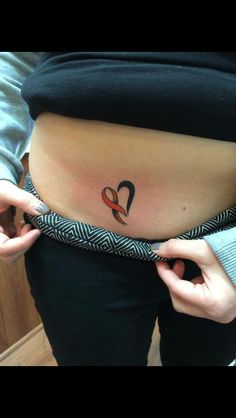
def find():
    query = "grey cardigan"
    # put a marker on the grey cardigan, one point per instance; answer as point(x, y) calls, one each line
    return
point(15, 137)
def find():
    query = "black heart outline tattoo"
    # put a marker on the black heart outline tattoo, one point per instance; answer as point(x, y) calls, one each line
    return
point(114, 205)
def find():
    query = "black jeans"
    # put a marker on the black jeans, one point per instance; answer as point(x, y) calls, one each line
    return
point(99, 309)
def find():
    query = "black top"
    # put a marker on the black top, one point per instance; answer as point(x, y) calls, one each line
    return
point(192, 93)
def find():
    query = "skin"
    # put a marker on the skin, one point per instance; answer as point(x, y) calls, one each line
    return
point(211, 295)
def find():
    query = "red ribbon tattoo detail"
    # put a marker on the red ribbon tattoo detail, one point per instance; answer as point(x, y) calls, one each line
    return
point(114, 205)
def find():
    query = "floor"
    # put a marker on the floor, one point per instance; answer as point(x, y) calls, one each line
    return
point(34, 350)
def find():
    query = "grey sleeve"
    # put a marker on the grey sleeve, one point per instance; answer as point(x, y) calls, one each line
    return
point(223, 244)
point(15, 122)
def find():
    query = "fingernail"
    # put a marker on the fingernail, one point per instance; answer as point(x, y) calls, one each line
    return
point(42, 208)
point(156, 246)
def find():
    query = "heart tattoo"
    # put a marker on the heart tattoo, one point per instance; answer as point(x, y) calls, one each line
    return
point(113, 204)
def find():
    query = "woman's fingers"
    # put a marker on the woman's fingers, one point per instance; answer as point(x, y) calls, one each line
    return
point(182, 306)
point(10, 247)
point(169, 276)
point(179, 268)
point(7, 222)
point(13, 230)
point(181, 288)
point(25, 228)
point(210, 295)
point(198, 280)
point(198, 251)
point(13, 195)
point(22, 228)
point(195, 250)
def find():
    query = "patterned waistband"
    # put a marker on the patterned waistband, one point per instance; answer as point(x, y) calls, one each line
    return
point(101, 240)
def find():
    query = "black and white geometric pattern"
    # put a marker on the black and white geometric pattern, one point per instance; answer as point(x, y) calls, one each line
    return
point(101, 240)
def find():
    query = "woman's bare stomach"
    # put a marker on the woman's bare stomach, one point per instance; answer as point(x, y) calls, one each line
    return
point(137, 182)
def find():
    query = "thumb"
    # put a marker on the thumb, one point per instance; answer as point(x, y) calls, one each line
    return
point(12, 195)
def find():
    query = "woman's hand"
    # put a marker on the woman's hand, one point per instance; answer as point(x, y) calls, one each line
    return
point(211, 295)
point(15, 240)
